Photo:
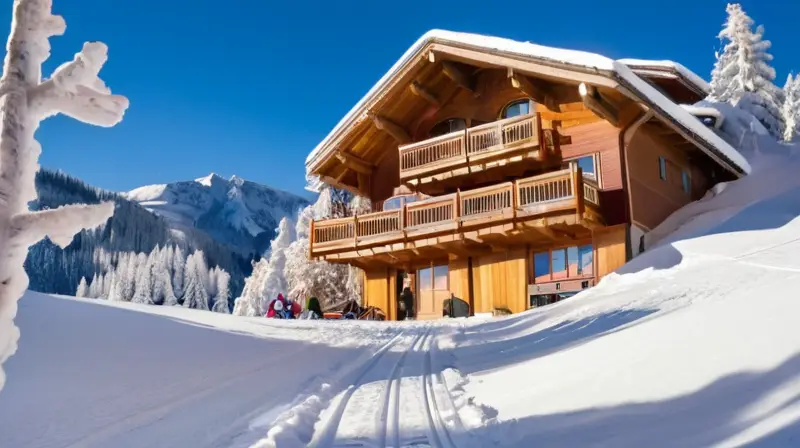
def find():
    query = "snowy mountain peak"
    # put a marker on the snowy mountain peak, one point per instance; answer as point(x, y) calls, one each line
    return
point(234, 211)
point(210, 179)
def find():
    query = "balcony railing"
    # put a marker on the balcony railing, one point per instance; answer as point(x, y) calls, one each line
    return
point(521, 199)
point(477, 144)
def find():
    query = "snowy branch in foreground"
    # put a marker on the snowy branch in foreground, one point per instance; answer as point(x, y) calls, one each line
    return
point(76, 90)
point(60, 224)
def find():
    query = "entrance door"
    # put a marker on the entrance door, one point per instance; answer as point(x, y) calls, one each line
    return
point(433, 289)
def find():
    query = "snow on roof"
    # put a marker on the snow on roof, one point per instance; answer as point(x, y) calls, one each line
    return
point(579, 59)
point(689, 75)
point(701, 111)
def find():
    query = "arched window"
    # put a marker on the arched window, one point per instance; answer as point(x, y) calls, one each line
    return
point(448, 126)
point(517, 108)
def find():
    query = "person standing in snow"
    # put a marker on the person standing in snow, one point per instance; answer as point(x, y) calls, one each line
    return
point(407, 298)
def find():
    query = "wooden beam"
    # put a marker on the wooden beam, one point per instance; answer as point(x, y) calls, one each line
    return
point(540, 94)
point(595, 102)
point(395, 130)
point(355, 163)
point(431, 57)
point(342, 175)
point(420, 91)
point(363, 184)
point(458, 76)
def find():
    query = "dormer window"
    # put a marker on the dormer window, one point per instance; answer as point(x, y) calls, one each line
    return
point(517, 108)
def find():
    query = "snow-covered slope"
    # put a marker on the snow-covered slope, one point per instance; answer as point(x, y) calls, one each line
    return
point(695, 343)
point(234, 211)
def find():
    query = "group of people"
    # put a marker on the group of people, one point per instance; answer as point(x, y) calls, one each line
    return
point(283, 308)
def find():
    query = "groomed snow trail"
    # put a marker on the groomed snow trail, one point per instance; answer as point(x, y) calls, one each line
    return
point(397, 400)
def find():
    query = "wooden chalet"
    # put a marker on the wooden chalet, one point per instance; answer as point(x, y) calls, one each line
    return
point(510, 174)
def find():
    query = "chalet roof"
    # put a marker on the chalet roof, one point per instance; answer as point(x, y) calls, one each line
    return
point(620, 71)
point(668, 68)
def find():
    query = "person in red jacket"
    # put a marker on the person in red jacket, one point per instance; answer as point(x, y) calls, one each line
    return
point(271, 309)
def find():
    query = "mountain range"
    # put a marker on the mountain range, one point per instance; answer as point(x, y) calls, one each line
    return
point(235, 211)
point(231, 220)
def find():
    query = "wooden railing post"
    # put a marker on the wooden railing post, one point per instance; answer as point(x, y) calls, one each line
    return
point(577, 187)
point(457, 209)
point(311, 241)
point(355, 231)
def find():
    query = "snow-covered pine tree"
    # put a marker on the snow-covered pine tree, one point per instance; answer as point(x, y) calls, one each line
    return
point(127, 275)
point(221, 304)
point(83, 289)
point(791, 107)
point(179, 264)
point(247, 304)
point(305, 277)
point(742, 75)
point(93, 293)
point(268, 279)
point(144, 279)
point(108, 283)
point(100, 285)
point(195, 293)
point(75, 90)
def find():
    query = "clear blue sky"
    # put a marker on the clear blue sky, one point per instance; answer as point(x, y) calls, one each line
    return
point(251, 89)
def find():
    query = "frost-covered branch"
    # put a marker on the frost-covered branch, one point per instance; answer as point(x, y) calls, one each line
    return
point(76, 90)
point(59, 224)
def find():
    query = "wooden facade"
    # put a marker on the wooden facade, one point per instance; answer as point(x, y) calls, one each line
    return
point(527, 180)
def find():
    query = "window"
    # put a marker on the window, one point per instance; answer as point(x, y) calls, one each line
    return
point(393, 203)
point(517, 108)
point(687, 182)
point(448, 126)
point(563, 263)
point(541, 267)
point(586, 164)
point(573, 267)
point(585, 260)
point(424, 279)
point(440, 282)
point(558, 259)
point(662, 168)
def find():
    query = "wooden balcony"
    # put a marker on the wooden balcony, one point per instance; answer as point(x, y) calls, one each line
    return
point(514, 204)
point(477, 146)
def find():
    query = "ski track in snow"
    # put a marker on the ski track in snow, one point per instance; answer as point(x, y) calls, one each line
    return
point(398, 400)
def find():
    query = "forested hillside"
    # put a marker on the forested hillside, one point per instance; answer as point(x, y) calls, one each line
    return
point(132, 229)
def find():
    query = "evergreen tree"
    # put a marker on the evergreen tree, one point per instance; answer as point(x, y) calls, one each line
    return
point(83, 288)
point(221, 304)
point(93, 293)
point(195, 293)
point(179, 263)
point(791, 107)
point(742, 75)
point(268, 278)
point(144, 280)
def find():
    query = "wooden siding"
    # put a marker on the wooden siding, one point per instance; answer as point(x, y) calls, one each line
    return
point(652, 198)
point(601, 138)
point(499, 281)
point(460, 272)
point(376, 288)
point(610, 247)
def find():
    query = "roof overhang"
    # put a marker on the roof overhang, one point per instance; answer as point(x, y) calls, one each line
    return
point(544, 62)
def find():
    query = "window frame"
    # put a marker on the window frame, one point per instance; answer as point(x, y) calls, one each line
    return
point(565, 249)
point(448, 120)
point(531, 108)
point(662, 168)
point(596, 176)
point(686, 182)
